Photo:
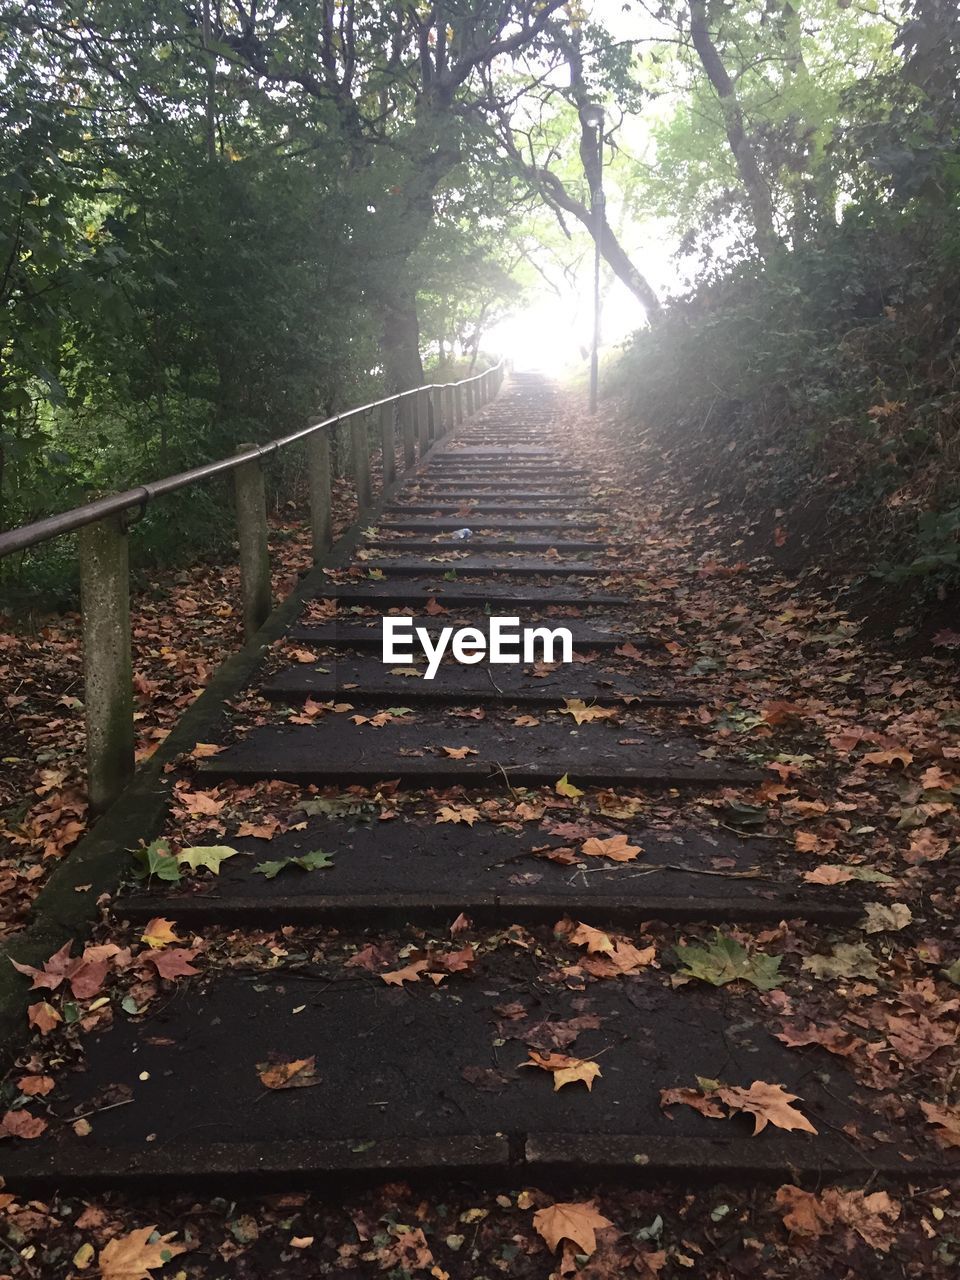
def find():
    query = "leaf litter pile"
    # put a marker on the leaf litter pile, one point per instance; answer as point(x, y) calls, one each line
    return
point(861, 766)
point(183, 626)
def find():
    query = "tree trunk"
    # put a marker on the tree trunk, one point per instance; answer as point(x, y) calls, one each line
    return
point(400, 342)
point(755, 188)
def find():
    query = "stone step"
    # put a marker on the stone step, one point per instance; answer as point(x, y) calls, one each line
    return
point(506, 596)
point(439, 524)
point(420, 871)
point(373, 681)
point(480, 546)
point(490, 566)
point(336, 751)
point(587, 637)
point(392, 1093)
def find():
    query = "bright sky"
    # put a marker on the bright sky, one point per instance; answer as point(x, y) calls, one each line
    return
point(554, 332)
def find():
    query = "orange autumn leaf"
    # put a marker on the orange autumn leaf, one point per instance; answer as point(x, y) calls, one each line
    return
point(617, 848)
point(300, 1073)
point(566, 1070)
point(576, 1222)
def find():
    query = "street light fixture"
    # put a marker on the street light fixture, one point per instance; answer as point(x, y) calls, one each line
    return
point(591, 117)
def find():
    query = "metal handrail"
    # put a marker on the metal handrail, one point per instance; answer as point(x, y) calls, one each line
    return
point(31, 535)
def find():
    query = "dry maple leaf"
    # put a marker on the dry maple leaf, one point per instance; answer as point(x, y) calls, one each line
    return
point(578, 1223)
point(43, 1016)
point(583, 714)
point(300, 1073)
point(459, 753)
point(35, 1086)
point(565, 1070)
point(616, 847)
point(134, 1256)
point(595, 940)
point(158, 933)
point(21, 1124)
point(458, 813)
point(172, 962)
point(624, 959)
point(768, 1104)
point(805, 1213)
point(705, 1103)
point(947, 1120)
point(411, 973)
point(879, 917)
point(887, 759)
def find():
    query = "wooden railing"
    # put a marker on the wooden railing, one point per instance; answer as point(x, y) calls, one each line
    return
point(421, 415)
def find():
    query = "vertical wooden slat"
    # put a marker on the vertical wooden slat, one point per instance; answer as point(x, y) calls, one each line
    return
point(388, 443)
point(360, 449)
point(408, 409)
point(251, 504)
point(318, 472)
point(423, 421)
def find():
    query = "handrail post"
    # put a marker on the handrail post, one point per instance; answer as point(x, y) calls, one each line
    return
point(408, 408)
point(251, 504)
point(423, 421)
point(436, 397)
point(388, 443)
point(107, 663)
point(471, 399)
point(458, 399)
point(449, 413)
point(360, 447)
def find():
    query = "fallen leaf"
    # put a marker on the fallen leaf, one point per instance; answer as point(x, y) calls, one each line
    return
point(458, 813)
point(21, 1124)
point(564, 787)
point(411, 973)
point(565, 1070)
point(947, 1122)
point(172, 962)
point(724, 960)
point(880, 918)
point(204, 855)
point(159, 932)
point(459, 753)
point(43, 1016)
point(300, 1073)
point(846, 960)
point(35, 1086)
point(135, 1255)
point(577, 1223)
point(617, 848)
point(768, 1104)
point(583, 714)
point(806, 1213)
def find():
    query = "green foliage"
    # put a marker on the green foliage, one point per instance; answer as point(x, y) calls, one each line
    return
point(316, 860)
point(724, 960)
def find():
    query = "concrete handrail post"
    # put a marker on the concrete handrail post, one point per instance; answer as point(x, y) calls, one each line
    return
point(458, 400)
point(251, 505)
point(318, 472)
point(449, 413)
point(436, 410)
point(360, 448)
point(388, 444)
point(471, 399)
point(107, 663)
point(408, 409)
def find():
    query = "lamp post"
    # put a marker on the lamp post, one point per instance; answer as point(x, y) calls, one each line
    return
point(591, 116)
